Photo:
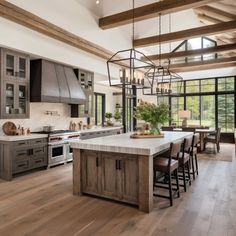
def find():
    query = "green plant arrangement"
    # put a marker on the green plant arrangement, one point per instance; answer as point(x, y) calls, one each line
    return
point(108, 116)
point(117, 116)
point(155, 115)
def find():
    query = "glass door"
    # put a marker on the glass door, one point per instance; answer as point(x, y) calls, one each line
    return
point(22, 67)
point(9, 65)
point(22, 95)
point(9, 99)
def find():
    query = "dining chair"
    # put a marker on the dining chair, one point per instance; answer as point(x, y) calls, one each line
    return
point(166, 128)
point(213, 138)
point(188, 129)
point(166, 166)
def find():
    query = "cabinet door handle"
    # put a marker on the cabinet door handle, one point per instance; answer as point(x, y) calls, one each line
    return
point(21, 154)
point(97, 163)
point(120, 164)
point(117, 165)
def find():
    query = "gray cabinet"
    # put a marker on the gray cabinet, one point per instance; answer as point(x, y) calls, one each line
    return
point(21, 156)
point(14, 85)
point(113, 176)
point(86, 82)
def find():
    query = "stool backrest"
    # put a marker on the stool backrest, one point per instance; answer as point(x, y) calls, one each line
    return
point(175, 149)
point(196, 139)
point(187, 144)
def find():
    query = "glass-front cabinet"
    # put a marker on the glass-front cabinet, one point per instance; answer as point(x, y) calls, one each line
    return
point(86, 81)
point(14, 85)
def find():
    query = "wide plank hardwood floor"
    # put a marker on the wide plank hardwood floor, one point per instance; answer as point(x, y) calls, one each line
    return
point(42, 204)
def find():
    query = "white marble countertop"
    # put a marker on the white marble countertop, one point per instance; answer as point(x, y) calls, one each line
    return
point(21, 137)
point(122, 143)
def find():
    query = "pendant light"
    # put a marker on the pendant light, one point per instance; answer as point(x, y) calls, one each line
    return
point(161, 77)
point(129, 67)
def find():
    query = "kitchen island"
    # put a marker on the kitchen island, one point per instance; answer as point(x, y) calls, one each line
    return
point(118, 167)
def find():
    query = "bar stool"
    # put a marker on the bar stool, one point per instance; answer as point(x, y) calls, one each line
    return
point(167, 166)
point(184, 162)
point(193, 155)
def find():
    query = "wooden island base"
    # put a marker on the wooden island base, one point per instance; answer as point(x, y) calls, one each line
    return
point(122, 177)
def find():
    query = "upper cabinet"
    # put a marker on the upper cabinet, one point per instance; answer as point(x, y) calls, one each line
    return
point(86, 81)
point(14, 81)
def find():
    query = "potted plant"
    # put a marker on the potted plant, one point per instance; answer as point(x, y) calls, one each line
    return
point(108, 116)
point(155, 115)
point(117, 116)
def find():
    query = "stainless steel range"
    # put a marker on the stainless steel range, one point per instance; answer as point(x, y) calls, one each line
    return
point(59, 150)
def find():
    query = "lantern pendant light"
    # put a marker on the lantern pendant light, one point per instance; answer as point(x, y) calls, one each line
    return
point(129, 67)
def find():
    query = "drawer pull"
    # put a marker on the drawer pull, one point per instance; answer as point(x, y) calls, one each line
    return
point(38, 161)
point(39, 141)
point(21, 154)
point(21, 143)
point(21, 165)
point(39, 151)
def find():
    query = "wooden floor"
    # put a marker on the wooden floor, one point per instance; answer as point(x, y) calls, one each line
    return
point(42, 204)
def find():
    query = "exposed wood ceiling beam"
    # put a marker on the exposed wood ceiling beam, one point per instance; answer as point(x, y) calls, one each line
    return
point(29, 20)
point(149, 11)
point(186, 34)
point(216, 13)
point(221, 48)
point(203, 65)
point(208, 19)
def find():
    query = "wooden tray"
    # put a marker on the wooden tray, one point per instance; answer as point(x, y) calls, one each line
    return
point(9, 128)
point(139, 136)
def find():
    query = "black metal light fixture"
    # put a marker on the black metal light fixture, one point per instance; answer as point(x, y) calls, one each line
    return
point(161, 77)
point(129, 67)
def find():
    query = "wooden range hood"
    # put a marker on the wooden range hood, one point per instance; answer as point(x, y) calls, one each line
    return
point(52, 82)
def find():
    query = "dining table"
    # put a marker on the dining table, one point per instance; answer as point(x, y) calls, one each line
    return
point(203, 132)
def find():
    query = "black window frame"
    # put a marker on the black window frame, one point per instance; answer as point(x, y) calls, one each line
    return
point(215, 93)
point(103, 95)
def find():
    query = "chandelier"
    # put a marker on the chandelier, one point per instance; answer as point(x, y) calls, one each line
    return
point(161, 77)
point(129, 67)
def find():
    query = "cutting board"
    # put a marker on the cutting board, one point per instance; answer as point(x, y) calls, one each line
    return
point(9, 128)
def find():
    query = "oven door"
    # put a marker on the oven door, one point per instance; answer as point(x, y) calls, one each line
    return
point(57, 153)
point(69, 152)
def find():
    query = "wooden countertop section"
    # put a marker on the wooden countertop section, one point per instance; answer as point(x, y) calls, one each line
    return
point(122, 143)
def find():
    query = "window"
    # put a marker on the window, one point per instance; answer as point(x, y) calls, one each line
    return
point(177, 87)
point(201, 97)
point(99, 106)
point(226, 84)
point(207, 85)
point(193, 105)
point(193, 86)
point(208, 110)
point(177, 104)
point(226, 112)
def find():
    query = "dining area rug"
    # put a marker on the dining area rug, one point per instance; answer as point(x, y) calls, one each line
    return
point(227, 153)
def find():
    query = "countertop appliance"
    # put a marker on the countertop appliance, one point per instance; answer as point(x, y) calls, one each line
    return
point(59, 150)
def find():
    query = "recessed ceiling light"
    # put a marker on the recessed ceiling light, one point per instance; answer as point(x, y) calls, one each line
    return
point(97, 1)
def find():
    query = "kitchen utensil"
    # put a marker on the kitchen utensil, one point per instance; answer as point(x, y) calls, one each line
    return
point(9, 128)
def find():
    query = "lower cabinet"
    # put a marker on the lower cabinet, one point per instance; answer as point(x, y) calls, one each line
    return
point(21, 156)
point(109, 175)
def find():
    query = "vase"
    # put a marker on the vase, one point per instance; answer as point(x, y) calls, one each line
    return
point(155, 129)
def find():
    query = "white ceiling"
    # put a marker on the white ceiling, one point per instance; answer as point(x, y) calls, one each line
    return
point(179, 21)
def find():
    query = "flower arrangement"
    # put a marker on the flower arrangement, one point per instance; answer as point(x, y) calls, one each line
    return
point(153, 114)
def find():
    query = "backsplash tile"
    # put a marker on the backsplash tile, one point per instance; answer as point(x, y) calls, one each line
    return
point(38, 118)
